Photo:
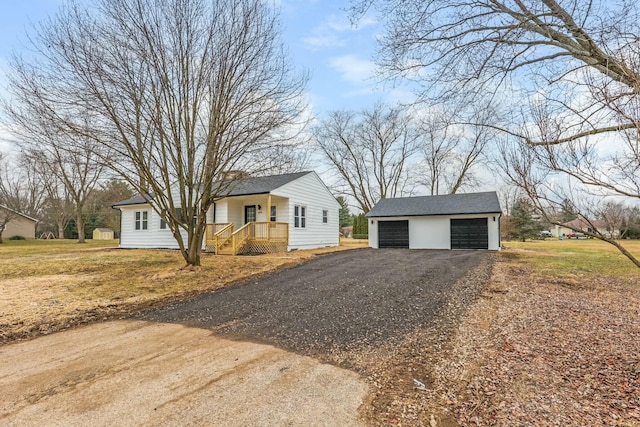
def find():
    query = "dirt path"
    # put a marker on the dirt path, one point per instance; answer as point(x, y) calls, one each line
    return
point(142, 373)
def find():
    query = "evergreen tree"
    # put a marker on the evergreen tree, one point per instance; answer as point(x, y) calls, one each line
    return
point(524, 225)
point(360, 226)
point(567, 211)
point(631, 228)
point(345, 217)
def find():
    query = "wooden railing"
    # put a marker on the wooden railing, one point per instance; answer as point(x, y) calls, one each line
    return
point(240, 237)
point(213, 229)
point(222, 236)
point(272, 231)
point(254, 237)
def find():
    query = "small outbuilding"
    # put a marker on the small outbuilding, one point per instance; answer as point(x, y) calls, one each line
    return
point(103, 234)
point(453, 221)
point(18, 224)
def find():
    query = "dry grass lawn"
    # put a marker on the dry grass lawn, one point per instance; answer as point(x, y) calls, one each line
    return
point(50, 285)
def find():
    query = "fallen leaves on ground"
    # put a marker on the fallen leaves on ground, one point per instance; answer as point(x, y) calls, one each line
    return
point(533, 350)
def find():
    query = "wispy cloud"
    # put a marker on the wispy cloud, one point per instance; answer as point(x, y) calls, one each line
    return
point(354, 69)
point(332, 31)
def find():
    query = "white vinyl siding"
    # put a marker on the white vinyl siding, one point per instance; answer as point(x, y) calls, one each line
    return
point(309, 191)
point(153, 237)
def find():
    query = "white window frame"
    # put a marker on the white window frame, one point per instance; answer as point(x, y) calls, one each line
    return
point(141, 220)
point(325, 216)
point(300, 216)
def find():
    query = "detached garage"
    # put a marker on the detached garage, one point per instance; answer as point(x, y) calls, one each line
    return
point(453, 221)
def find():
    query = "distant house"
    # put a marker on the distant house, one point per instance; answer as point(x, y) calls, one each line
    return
point(259, 215)
point(347, 231)
point(583, 225)
point(103, 234)
point(18, 225)
point(454, 221)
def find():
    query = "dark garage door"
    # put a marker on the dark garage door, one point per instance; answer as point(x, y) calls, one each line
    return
point(469, 233)
point(393, 234)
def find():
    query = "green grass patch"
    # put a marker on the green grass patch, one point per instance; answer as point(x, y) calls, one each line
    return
point(563, 258)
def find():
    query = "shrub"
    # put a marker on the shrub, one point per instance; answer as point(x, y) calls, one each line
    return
point(360, 236)
point(17, 238)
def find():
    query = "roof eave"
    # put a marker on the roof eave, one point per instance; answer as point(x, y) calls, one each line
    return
point(435, 214)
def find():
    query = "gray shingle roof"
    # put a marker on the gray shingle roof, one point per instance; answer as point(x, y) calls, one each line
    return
point(263, 184)
point(135, 200)
point(450, 204)
point(258, 185)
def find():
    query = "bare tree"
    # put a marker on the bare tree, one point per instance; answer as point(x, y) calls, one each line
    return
point(520, 163)
point(21, 191)
point(566, 72)
point(451, 153)
point(615, 215)
point(181, 91)
point(63, 158)
point(370, 150)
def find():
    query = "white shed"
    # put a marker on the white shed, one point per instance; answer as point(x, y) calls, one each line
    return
point(453, 221)
point(261, 215)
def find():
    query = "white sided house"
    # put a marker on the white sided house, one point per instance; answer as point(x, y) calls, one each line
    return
point(453, 221)
point(259, 215)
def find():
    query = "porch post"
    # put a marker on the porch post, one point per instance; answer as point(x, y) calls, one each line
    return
point(269, 217)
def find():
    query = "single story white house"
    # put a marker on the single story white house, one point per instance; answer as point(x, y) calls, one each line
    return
point(258, 215)
point(453, 221)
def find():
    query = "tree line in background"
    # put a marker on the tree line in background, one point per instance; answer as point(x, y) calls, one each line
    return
point(51, 195)
point(393, 151)
point(522, 221)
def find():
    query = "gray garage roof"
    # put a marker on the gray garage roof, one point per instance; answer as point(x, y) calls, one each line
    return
point(450, 204)
point(258, 185)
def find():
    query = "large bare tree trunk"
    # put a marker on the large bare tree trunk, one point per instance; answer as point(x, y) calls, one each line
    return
point(80, 225)
point(60, 224)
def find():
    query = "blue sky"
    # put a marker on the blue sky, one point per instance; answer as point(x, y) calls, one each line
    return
point(318, 33)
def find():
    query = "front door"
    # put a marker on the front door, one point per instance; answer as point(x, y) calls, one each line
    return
point(249, 214)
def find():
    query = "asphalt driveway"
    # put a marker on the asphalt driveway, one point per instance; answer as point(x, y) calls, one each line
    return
point(338, 302)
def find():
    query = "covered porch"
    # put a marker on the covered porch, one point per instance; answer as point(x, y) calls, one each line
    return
point(249, 224)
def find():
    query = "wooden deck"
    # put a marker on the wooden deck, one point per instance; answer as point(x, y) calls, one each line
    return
point(251, 238)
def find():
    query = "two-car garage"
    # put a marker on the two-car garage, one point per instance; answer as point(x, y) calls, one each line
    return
point(459, 221)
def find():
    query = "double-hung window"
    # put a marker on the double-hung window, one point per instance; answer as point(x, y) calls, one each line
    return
point(299, 216)
point(325, 216)
point(142, 220)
